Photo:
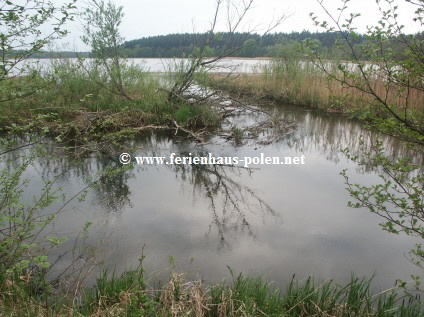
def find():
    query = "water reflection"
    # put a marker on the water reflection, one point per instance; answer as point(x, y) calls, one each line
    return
point(230, 202)
point(112, 192)
point(328, 134)
point(276, 220)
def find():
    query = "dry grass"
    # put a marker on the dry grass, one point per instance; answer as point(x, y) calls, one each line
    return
point(306, 86)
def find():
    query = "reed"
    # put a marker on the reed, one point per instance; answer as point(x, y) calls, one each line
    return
point(303, 84)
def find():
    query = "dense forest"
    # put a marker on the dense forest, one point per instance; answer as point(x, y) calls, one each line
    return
point(255, 45)
point(286, 45)
point(243, 44)
point(233, 44)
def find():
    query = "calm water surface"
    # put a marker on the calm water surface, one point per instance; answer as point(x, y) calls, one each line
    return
point(274, 220)
point(164, 65)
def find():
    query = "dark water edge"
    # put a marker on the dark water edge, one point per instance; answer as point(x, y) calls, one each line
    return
point(270, 220)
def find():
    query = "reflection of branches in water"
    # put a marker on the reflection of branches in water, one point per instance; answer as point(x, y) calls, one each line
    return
point(112, 191)
point(109, 189)
point(329, 134)
point(229, 200)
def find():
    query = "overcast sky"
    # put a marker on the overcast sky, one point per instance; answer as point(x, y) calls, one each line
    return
point(159, 17)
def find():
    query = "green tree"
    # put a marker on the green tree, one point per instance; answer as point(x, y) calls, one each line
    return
point(235, 14)
point(393, 72)
point(249, 48)
point(26, 27)
point(101, 32)
point(394, 62)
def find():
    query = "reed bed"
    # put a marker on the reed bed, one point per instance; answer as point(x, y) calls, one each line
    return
point(303, 84)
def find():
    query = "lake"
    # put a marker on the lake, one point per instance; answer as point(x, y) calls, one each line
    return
point(273, 220)
point(164, 65)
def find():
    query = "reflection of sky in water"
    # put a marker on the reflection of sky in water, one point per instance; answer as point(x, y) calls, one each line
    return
point(169, 210)
point(161, 65)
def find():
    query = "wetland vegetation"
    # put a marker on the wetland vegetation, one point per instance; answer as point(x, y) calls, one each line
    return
point(64, 126)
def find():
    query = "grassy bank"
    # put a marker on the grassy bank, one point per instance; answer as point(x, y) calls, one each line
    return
point(80, 103)
point(303, 84)
point(129, 295)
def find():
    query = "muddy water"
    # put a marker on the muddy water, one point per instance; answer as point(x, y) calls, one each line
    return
point(274, 220)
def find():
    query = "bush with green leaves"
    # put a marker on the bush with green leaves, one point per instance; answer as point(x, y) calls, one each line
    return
point(101, 32)
point(388, 69)
point(21, 224)
point(27, 26)
point(398, 198)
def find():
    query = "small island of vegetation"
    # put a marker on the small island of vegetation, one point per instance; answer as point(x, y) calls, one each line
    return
point(99, 102)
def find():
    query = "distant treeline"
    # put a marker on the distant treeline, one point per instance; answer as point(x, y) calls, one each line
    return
point(255, 45)
point(251, 44)
point(286, 45)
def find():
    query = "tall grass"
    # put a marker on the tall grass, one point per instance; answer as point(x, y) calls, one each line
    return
point(71, 99)
point(67, 84)
point(301, 83)
point(128, 295)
